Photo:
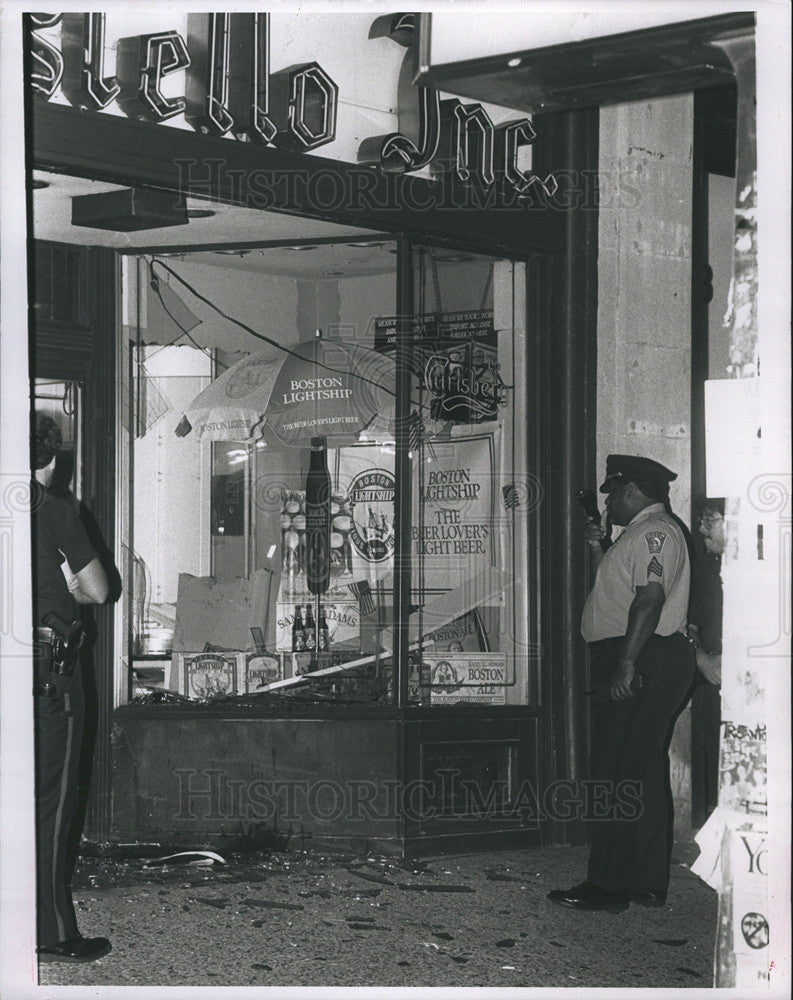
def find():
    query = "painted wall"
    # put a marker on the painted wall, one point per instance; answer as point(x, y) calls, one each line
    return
point(721, 234)
point(644, 315)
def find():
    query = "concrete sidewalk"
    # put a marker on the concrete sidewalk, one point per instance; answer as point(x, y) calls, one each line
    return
point(311, 919)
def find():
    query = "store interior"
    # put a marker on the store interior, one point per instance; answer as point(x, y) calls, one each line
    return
point(211, 536)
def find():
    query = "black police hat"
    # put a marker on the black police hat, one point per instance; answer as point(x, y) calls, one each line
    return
point(629, 468)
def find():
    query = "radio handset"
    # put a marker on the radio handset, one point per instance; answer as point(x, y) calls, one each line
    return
point(588, 501)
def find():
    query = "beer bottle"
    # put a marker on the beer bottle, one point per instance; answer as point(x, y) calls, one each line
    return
point(298, 632)
point(311, 634)
point(317, 538)
point(324, 634)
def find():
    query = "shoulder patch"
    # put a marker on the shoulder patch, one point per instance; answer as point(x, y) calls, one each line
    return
point(655, 541)
point(655, 568)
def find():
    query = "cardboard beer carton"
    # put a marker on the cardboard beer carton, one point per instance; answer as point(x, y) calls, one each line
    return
point(208, 675)
point(259, 670)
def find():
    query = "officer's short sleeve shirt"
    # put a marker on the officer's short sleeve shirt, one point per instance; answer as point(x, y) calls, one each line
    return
point(651, 549)
point(58, 534)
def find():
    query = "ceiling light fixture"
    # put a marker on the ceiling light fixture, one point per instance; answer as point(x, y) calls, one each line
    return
point(129, 210)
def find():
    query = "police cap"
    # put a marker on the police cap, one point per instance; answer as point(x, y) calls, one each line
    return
point(630, 468)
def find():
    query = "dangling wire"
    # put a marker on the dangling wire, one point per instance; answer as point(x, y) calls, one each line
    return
point(486, 292)
point(436, 284)
point(68, 404)
point(255, 333)
point(154, 284)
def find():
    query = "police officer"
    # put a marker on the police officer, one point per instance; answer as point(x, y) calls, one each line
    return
point(642, 665)
point(67, 572)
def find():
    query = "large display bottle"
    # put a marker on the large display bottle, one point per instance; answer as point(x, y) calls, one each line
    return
point(317, 538)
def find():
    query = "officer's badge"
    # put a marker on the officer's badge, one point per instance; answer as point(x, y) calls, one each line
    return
point(655, 541)
point(655, 568)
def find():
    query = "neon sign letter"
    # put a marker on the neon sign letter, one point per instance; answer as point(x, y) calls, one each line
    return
point(84, 80)
point(208, 75)
point(143, 61)
point(46, 62)
point(305, 98)
point(249, 80)
point(511, 136)
point(463, 129)
point(396, 152)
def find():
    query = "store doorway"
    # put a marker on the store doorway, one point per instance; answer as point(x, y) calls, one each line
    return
point(713, 231)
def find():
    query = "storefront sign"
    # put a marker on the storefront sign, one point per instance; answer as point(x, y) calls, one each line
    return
point(450, 135)
point(230, 89)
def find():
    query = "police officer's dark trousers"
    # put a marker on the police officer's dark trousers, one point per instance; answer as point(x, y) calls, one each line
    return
point(630, 828)
point(59, 733)
point(705, 728)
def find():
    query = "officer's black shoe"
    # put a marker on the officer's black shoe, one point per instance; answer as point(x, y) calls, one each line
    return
point(590, 897)
point(646, 897)
point(76, 949)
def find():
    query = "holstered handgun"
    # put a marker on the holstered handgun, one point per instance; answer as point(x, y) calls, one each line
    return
point(67, 640)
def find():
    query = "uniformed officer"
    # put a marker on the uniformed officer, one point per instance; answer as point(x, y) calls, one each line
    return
point(67, 572)
point(642, 666)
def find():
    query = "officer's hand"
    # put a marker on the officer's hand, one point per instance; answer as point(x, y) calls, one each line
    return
point(621, 681)
point(594, 532)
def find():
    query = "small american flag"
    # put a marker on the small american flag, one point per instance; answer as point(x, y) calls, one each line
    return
point(511, 499)
point(183, 428)
point(363, 592)
point(415, 430)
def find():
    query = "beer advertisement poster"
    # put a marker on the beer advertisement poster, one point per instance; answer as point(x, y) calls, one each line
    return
point(455, 491)
point(467, 677)
point(361, 542)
